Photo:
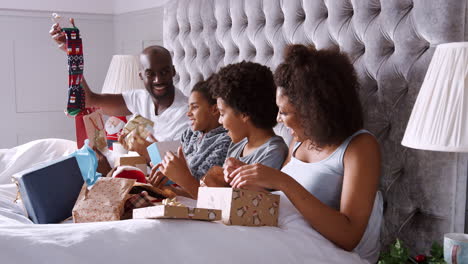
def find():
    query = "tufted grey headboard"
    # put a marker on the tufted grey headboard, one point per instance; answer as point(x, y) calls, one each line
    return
point(390, 43)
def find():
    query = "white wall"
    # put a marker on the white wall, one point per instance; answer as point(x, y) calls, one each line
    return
point(136, 30)
point(82, 6)
point(33, 73)
point(34, 76)
point(77, 6)
point(125, 6)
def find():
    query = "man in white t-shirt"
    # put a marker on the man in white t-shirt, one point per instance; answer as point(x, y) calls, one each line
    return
point(160, 102)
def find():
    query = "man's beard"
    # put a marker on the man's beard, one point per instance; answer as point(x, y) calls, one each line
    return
point(158, 96)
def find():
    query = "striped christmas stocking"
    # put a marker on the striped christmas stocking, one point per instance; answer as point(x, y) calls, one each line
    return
point(76, 95)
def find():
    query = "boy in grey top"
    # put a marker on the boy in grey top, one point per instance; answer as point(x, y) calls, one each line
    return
point(272, 153)
point(205, 150)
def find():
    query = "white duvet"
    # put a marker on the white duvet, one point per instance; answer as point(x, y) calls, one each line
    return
point(155, 241)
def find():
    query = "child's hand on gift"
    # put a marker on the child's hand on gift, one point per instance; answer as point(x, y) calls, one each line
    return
point(157, 178)
point(175, 166)
point(176, 169)
point(214, 177)
point(258, 177)
point(229, 166)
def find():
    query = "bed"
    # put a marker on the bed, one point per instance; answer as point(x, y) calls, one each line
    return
point(390, 43)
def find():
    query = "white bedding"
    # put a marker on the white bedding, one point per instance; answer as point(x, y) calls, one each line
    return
point(24, 156)
point(159, 241)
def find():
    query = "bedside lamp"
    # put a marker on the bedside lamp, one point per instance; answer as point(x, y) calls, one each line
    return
point(122, 76)
point(439, 122)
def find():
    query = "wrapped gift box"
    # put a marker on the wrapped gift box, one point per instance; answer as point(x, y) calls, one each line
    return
point(49, 190)
point(241, 207)
point(135, 161)
point(103, 202)
point(135, 122)
point(180, 212)
point(131, 161)
point(137, 126)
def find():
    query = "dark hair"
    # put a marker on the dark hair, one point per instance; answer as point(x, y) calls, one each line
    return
point(248, 88)
point(322, 86)
point(203, 87)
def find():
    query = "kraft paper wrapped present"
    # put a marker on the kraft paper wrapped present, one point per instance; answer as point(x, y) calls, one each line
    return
point(135, 122)
point(131, 161)
point(167, 211)
point(137, 126)
point(135, 161)
point(172, 209)
point(103, 202)
point(241, 207)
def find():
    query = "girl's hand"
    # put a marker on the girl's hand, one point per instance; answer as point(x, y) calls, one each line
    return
point(229, 166)
point(157, 178)
point(175, 167)
point(257, 176)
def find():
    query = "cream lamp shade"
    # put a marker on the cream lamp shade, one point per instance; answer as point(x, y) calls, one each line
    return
point(122, 75)
point(439, 120)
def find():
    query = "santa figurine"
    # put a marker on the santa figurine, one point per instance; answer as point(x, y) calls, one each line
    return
point(113, 126)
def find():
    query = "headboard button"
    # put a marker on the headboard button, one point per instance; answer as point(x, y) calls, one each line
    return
point(281, 20)
point(301, 17)
point(270, 53)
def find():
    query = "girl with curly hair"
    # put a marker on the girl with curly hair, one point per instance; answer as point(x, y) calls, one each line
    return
point(245, 95)
point(331, 174)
